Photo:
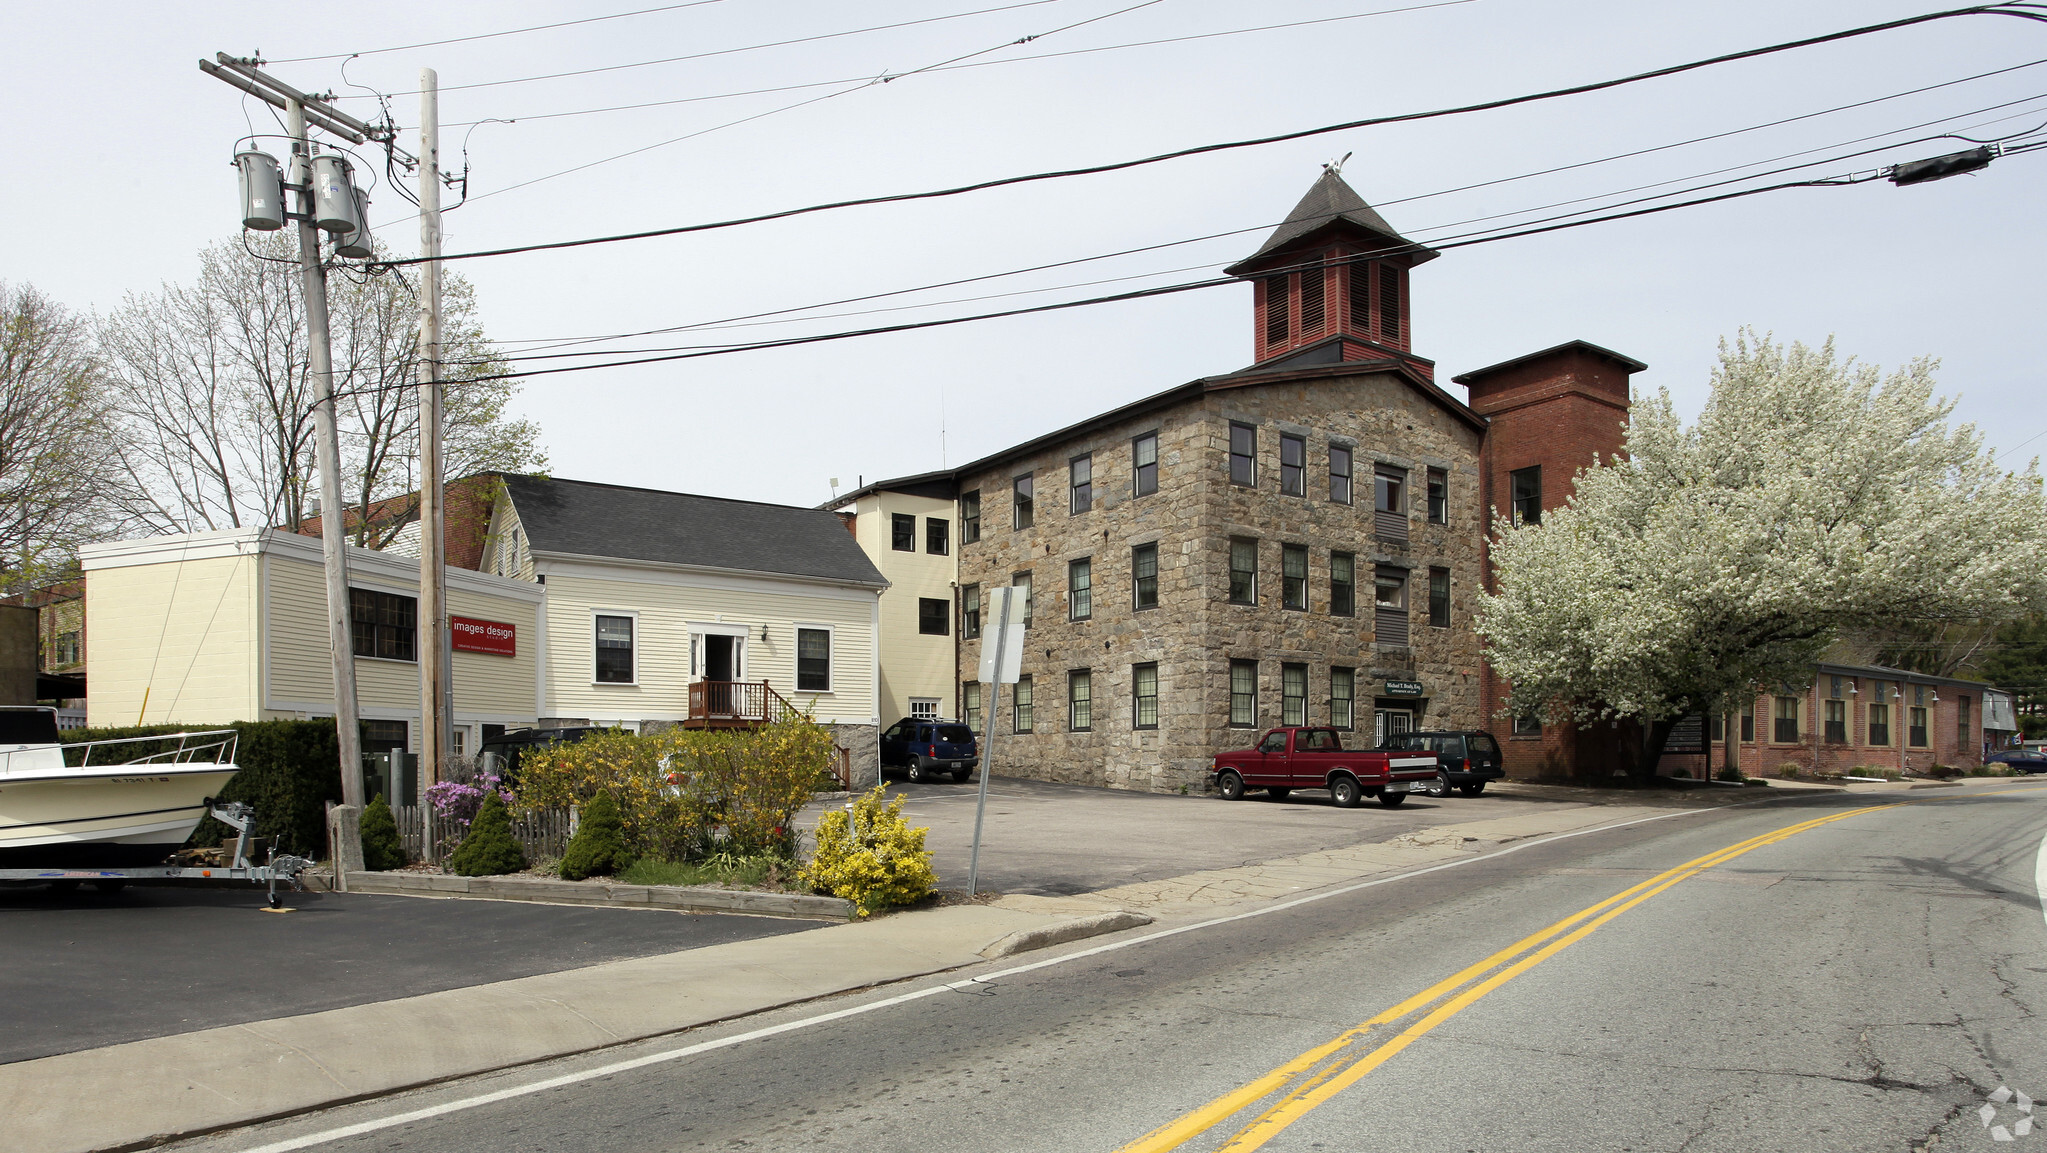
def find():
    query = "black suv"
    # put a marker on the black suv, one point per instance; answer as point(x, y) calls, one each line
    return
point(507, 749)
point(1469, 757)
point(929, 748)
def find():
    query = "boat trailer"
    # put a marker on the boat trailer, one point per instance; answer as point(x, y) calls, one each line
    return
point(235, 815)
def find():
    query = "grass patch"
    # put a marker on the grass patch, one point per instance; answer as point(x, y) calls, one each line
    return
point(757, 872)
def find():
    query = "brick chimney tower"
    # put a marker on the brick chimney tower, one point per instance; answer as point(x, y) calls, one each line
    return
point(1549, 414)
point(1331, 282)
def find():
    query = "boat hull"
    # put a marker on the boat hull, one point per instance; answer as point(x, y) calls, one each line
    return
point(129, 816)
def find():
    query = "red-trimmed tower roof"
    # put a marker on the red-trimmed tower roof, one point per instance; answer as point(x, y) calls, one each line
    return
point(1333, 273)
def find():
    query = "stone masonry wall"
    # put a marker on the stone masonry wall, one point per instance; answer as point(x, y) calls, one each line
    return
point(1195, 632)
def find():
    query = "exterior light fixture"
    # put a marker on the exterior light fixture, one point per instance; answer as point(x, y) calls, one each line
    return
point(764, 634)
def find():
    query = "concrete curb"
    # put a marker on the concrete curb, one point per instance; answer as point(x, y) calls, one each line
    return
point(673, 897)
point(1077, 929)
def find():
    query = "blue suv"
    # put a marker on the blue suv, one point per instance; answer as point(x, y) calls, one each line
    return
point(930, 748)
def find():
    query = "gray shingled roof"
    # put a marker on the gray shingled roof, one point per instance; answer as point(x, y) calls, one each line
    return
point(644, 524)
point(1330, 200)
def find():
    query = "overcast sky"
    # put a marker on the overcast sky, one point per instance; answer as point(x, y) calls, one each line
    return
point(120, 151)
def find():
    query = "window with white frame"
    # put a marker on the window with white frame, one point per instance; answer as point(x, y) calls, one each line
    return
point(813, 660)
point(614, 650)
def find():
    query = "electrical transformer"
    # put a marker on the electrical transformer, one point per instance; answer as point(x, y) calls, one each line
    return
point(334, 206)
point(262, 191)
point(356, 245)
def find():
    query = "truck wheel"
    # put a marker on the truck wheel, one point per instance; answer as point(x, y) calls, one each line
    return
point(1229, 786)
point(1345, 793)
point(963, 775)
point(109, 886)
point(1472, 790)
point(1276, 794)
point(1392, 800)
point(917, 769)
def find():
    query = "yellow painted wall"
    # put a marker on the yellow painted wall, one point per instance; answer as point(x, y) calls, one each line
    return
point(913, 664)
point(186, 633)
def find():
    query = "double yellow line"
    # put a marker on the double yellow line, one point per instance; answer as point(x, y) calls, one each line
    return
point(1326, 1070)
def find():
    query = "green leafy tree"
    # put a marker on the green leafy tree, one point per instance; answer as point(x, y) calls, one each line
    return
point(381, 849)
point(488, 849)
point(1812, 496)
point(2017, 662)
point(598, 849)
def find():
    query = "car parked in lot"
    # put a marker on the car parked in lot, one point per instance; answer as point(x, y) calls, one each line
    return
point(1292, 758)
point(2020, 760)
point(930, 748)
point(1469, 757)
point(501, 754)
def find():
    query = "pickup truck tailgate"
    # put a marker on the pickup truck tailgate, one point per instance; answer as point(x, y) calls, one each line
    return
point(1420, 768)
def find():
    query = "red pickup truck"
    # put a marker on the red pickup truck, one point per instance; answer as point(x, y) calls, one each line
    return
point(1308, 758)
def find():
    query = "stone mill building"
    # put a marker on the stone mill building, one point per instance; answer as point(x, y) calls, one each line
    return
point(1299, 541)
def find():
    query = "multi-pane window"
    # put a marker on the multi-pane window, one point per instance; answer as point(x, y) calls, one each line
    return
point(1439, 598)
point(1343, 584)
point(970, 704)
point(1243, 454)
point(1837, 722)
point(1962, 741)
point(614, 650)
point(1879, 717)
point(924, 708)
point(1339, 473)
point(932, 614)
point(64, 649)
point(1243, 571)
point(1748, 722)
point(970, 517)
point(1343, 698)
point(384, 624)
point(1080, 479)
point(937, 535)
point(1389, 626)
point(970, 612)
point(1244, 694)
point(1528, 725)
point(1144, 464)
point(1022, 581)
point(1023, 513)
point(902, 532)
point(1293, 694)
point(1275, 310)
point(1144, 576)
point(1080, 596)
point(1784, 729)
point(1293, 465)
point(1439, 496)
point(1525, 488)
point(1079, 700)
point(1389, 516)
point(1022, 709)
point(1915, 728)
point(814, 660)
point(1293, 571)
point(1144, 696)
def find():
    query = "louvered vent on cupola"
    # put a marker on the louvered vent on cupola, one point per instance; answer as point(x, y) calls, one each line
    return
point(1275, 310)
point(1360, 280)
point(1311, 298)
point(1389, 302)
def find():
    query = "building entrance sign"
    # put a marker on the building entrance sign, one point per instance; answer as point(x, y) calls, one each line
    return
point(1404, 688)
point(469, 635)
point(1687, 735)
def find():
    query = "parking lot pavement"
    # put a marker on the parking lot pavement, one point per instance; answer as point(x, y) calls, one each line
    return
point(1058, 840)
point(84, 970)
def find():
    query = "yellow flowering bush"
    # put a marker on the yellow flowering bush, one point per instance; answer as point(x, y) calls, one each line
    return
point(870, 856)
point(689, 794)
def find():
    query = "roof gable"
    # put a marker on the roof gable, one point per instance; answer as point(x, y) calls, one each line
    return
point(581, 518)
point(1330, 203)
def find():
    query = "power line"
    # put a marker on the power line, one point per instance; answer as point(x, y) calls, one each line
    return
point(989, 63)
point(556, 342)
point(2024, 9)
point(743, 48)
point(491, 35)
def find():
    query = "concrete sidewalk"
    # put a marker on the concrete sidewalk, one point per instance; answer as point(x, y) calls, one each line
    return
point(146, 1091)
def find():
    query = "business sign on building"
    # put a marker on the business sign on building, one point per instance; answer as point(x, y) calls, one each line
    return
point(469, 635)
point(1404, 688)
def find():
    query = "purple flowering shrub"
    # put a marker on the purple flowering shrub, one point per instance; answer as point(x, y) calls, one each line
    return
point(458, 801)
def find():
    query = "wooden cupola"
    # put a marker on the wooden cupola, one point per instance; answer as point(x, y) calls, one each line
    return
point(1334, 271)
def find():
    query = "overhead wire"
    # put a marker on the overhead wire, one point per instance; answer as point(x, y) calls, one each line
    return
point(2026, 10)
point(493, 35)
point(553, 342)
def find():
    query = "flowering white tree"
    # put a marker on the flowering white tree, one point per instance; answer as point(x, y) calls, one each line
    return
point(1813, 495)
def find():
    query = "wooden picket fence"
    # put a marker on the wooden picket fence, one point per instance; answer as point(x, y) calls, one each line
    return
point(544, 833)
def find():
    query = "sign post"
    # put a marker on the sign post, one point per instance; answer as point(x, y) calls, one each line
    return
point(1001, 662)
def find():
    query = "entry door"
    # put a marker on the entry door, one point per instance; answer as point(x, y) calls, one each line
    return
point(1391, 722)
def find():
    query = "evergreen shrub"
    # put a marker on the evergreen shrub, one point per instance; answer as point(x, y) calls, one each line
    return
point(488, 849)
point(598, 849)
point(381, 849)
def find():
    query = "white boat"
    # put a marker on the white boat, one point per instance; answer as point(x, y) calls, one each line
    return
point(102, 804)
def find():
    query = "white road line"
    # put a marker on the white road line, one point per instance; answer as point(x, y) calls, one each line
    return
point(616, 1067)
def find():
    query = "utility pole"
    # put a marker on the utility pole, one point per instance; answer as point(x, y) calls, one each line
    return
point(435, 733)
point(245, 75)
point(327, 458)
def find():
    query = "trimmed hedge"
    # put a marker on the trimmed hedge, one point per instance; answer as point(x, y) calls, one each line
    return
point(289, 771)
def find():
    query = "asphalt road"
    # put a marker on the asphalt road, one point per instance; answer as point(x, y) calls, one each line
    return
point(1859, 983)
point(82, 970)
